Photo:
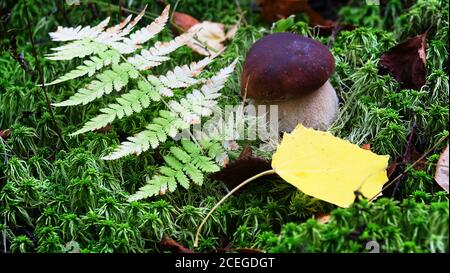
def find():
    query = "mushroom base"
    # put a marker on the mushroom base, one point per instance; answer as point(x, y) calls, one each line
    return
point(317, 110)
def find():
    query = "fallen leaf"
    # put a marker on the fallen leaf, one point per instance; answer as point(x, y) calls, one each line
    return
point(273, 10)
point(329, 168)
point(392, 168)
point(244, 167)
point(323, 218)
point(411, 155)
point(320, 165)
point(366, 146)
point(406, 62)
point(209, 38)
point(247, 151)
point(396, 170)
point(183, 21)
point(441, 175)
point(173, 246)
point(4, 134)
point(104, 129)
point(232, 31)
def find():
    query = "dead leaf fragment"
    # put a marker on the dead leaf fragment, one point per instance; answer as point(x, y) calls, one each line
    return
point(208, 36)
point(4, 134)
point(244, 167)
point(173, 246)
point(183, 21)
point(441, 175)
point(208, 39)
point(367, 147)
point(232, 31)
point(273, 10)
point(104, 129)
point(406, 62)
point(323, 218)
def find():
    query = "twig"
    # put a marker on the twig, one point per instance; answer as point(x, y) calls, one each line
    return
point(225, 198)
point(408, 168)
point(405, 154)
point(41, 77)
point(93, 10)
point(4, 238)
point(19, 57)
point(63, 9)
point(241, 12)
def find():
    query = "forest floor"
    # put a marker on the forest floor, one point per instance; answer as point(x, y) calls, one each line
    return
point(57, 193)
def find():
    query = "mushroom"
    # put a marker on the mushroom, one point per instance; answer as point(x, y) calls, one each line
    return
point(292, 71)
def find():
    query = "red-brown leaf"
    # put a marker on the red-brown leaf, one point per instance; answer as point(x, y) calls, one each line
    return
point(4, 134)
point(183, 21)
point(406, 62)
point(441, 175)
point(173, 246)
point(244, 167)
point(273, 10)
point(104, 129)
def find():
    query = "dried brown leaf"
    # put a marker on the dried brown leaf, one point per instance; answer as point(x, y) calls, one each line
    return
point(209, 38)
point(183, 21)
point(366, 146)
point(244, 167)
point(4, 134)
point(406, 62)
point(441, 175)
point(323, 218)
point(173, 246)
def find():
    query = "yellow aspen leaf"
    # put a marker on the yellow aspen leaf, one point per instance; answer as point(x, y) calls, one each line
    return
point(323, 166)
point(329, 168)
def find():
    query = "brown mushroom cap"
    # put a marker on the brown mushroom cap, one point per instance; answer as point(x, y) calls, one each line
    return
point(285, 65)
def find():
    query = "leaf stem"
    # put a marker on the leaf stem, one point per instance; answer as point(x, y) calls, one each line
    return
point(225, 197)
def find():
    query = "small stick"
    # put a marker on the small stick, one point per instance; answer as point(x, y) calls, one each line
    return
point(408, 168)
point(225, 197)
point(41, 77)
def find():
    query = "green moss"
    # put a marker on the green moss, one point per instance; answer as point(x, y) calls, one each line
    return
point(410, 226)
point(61, 195)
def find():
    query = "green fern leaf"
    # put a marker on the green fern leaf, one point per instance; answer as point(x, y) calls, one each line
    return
point(180, 154)
point(194, 174)
point(89, 67)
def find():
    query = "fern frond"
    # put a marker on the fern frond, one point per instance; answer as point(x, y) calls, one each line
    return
point(146, 33)
point(201, 102)
point(126, 105)
point(183, 165)
point(94, 40)
point(181, 115)
point(89, 67)
point(149, 58)
point(76, 49)
point(114, 57)
point(157, 185)
point(166, 124)
point(136, 99)
point(64, 34)
point(112, 79)
point(179, 77)
point(214, 149)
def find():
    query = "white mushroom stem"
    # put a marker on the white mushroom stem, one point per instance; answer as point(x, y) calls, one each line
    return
point(317, 110)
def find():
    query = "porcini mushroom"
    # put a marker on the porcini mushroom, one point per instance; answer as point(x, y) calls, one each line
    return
point(292, 71)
